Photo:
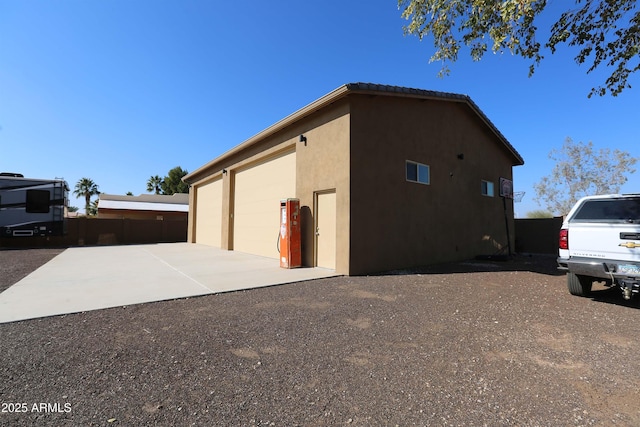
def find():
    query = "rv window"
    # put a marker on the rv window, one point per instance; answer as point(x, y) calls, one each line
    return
point(37, 201)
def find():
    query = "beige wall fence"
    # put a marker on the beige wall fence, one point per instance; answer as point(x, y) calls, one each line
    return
point(537, 235)
point(98, 231)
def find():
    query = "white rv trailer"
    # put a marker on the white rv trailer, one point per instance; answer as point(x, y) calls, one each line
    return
point(32, 207)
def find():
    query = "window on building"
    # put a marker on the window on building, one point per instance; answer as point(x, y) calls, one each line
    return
point(417, 172)
point(37, 201)
point(487, 188)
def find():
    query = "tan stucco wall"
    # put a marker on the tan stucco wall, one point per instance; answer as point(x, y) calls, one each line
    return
point(396, 223)
point(358, 148)
point(323, 165)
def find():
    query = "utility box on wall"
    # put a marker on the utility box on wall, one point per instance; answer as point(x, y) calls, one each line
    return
point(290, 243)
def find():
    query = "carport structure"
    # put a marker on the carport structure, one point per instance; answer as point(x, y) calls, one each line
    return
point(387, 177)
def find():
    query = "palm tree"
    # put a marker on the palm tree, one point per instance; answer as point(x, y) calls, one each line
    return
point(93, 209)
point(86, 188)
point(155, 184)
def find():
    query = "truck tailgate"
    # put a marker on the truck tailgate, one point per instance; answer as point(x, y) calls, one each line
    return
point(607, 241)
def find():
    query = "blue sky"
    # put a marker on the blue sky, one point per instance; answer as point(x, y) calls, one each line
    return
point(118, 91)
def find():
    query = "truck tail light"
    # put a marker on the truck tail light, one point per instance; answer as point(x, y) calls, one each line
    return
point(563, 243)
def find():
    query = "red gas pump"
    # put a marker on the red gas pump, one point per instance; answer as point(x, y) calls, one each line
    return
point(290, 248)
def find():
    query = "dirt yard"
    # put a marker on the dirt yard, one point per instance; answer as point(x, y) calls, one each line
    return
point(474, 343)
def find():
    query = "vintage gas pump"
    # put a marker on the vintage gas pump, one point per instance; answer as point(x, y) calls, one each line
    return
point(290, 248)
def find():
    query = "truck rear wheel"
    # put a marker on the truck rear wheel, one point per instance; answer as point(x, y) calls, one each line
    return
point(579, 285)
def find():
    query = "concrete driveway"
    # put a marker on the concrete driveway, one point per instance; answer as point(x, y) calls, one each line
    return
point(92, 278)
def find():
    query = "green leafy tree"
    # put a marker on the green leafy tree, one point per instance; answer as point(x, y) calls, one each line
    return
point(580, 171)
point(154, 184)
point(604, 31)
point(539, 214)
point(172, 183)
point(86, 188)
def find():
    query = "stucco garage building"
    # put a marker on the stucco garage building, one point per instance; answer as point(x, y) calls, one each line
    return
point(388, 177)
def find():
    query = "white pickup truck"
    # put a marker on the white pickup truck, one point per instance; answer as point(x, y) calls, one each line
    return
point(600, 241)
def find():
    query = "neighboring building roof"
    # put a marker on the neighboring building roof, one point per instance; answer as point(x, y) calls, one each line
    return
point(357, 88)
point(178, 202)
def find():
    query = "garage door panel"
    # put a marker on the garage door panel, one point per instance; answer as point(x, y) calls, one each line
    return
point(209, 213)
point(258, 191)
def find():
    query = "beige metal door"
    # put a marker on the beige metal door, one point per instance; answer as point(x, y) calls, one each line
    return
point(326, 230)
point(208, 215)
point(258, 191)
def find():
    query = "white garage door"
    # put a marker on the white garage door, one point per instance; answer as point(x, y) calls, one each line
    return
point(209, 213)
point(258, 191)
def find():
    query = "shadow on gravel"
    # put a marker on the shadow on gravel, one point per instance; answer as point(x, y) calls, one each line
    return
point(613, 295)
point(15, 264)
point(541, 264)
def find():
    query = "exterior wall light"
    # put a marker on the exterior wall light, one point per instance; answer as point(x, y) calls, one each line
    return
point(303, 139)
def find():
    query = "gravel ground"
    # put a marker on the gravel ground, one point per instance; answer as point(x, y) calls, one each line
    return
point(16, 264)
point(467, 344)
